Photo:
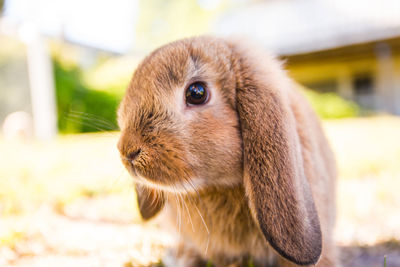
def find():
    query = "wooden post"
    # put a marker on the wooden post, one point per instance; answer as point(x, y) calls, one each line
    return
point(385, 78)
point(41, 84)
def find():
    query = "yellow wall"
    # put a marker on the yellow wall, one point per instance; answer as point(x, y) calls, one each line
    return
point(318, 71)
point(342, 68)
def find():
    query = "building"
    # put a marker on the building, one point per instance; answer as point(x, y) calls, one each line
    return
point(348, 47)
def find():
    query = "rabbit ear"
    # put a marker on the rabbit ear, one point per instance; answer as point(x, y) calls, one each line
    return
point(150, 201)
point(279, 194)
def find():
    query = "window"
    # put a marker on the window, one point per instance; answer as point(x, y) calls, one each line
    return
point(363, 88)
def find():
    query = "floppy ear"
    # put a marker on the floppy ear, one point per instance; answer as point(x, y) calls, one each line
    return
point(279, 194)
point(150, 201)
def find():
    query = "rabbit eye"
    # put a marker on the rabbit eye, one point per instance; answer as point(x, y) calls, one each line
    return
point(196, 94)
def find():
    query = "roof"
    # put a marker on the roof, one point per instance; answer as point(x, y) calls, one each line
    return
point(289, 27)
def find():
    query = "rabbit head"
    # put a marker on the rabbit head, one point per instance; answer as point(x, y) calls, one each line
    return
point(207, 112)
point(170, 143)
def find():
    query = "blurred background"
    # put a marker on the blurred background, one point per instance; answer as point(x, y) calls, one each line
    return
point(65, 198)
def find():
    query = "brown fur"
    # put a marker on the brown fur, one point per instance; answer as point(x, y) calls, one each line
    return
point(244, 173)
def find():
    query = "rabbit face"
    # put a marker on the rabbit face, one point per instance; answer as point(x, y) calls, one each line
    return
point(179, 126)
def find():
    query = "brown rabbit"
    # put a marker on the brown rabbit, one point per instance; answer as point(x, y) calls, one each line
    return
point(217, 137)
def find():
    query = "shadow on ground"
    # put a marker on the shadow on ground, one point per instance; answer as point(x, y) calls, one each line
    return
point(371, 256)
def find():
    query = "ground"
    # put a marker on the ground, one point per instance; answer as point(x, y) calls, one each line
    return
point(70, 202)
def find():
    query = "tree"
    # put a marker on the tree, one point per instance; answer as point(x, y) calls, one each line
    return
point(1, 6)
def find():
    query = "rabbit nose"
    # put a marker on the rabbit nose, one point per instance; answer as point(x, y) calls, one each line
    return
point(134, 154)
point(129, 148)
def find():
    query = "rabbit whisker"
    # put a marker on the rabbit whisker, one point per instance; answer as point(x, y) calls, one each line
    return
point(205, 225)
point(187, 210)
point(93, 117)
point(201, 216)
point(90, 125)
point(92, 120)
point(179, 216)
point(116, 180)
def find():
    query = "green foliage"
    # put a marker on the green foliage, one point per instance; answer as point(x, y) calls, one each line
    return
point(80, 108)
point(331, 105)
point(1, 6)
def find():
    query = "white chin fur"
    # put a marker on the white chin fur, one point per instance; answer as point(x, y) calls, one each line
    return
point(182, 187)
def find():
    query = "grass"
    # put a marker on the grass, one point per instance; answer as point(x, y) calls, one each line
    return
point(368, 156)
point(60, 175)
point(85, 170)
point(61, 171)
point(366, 147)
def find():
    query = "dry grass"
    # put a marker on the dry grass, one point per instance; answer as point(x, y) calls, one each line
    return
point(366, 147)
point(70, 202)
point(368, 156)
point(59, 172)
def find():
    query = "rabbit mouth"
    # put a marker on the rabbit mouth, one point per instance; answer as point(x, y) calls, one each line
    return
point(162, 174)
point(157, 163)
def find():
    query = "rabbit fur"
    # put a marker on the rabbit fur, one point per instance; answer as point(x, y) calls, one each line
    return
point(248, 175)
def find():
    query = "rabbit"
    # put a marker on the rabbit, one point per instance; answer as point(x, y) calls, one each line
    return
point(225, 149)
